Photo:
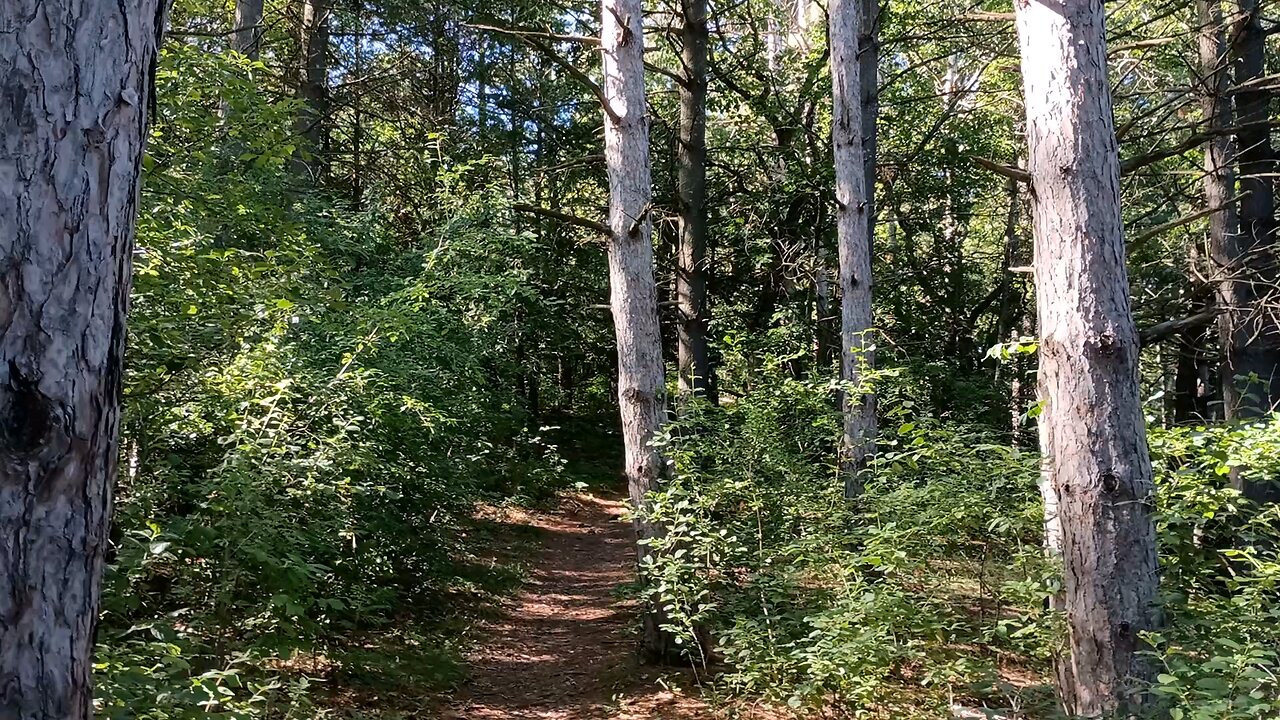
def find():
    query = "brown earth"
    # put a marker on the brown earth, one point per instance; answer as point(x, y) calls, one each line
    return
point(564, 648)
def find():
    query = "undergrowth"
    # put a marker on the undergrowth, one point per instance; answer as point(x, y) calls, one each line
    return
point(931, 590)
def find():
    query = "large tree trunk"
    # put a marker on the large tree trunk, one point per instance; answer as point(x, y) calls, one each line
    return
point(77, 79)
point(1247, 331)
point(313, 87)
point(691, 182)
point(1093, 436)
point(247, 38)
point(633, 294)
point(852, 205)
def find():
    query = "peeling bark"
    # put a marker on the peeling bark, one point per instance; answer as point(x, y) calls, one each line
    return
point(76, 85)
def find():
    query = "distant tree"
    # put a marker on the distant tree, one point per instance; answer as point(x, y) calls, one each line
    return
point(247, 38)
point(313, 86)
point(1098, 478)
point(73, 123)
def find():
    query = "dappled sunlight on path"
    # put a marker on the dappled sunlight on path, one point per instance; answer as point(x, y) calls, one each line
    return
point(564, 648)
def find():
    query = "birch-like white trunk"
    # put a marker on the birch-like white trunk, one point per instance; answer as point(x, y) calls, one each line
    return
point(632, 290)
point(1097, 469)
point(845, 22)
point(75, 83)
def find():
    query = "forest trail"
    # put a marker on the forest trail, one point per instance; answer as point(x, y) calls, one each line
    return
point(564, 648)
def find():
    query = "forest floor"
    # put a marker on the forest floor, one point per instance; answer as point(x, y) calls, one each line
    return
point(564, 647)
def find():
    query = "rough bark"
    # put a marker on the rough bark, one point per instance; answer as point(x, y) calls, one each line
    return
point(247, 38)
point(845, 21)
point(313, 87)
point(869, 80)
point(633, 294)
point(1247, 329)
point(1093, 435)
point(75, 86)
point(691, 184)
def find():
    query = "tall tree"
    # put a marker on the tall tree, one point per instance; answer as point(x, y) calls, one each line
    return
point(869, 80)
point(1098, 476)
point(1213, 85)
point(247, 38)
point(1248, 332)
point(313, 86)
point(691, 183)
point(72, 129)
point(633, 293)
point(852, 227)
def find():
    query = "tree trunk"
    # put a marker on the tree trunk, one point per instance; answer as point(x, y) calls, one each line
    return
point(869, 80)
point(1093, 435)
point(845, 18)
point(633, 293)
point(1247, 331)
point(247, 38)
point(77, 85)
point(691, 182)
point(313, 88)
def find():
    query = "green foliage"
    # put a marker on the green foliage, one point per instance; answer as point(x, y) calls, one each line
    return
point(814, 601)
point(1222, 573)
point(314, 406)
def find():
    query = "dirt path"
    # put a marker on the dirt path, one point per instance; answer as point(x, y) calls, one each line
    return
point(564, 648)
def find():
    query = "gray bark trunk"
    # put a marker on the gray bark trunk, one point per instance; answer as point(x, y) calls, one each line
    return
point(691, 157)
point(1093, 435)
point(1214, 85)
point(247, 38)
point(313, 88)
point(76, 87)
point(1247, 330)
point(869, 79)
point(852, 205)
point(633, 295)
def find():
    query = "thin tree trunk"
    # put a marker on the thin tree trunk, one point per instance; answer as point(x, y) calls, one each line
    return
point(247, 38)
point(845, 18)
point(632, 289)
point(72, 131)
point(691, 182)
point(1093, 435)
point(313, 88)
point(1247, 330)
point(869, 80)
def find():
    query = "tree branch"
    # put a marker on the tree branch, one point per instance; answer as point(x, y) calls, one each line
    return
point(566, 218)
point(555, 57)
point(1167, 329)
point(1008, 171)
point(1146, 235)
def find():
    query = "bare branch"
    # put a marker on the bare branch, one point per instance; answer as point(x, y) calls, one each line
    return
point(577, 74)
point(1167, 329)
point(1146, 235)
point(1008, 171)
point(566, 218)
